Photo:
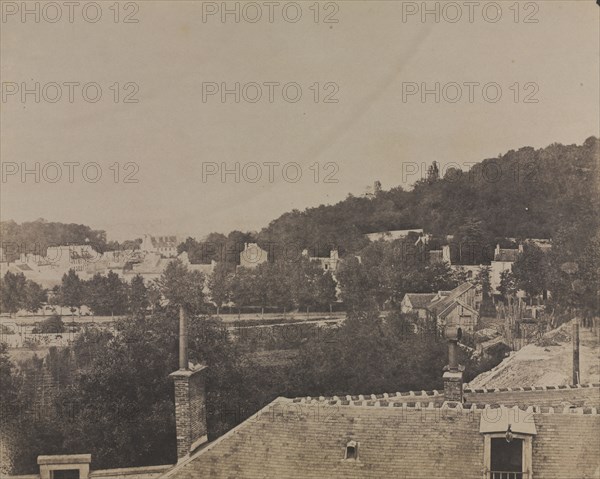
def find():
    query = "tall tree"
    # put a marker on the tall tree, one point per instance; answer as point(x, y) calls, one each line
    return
point(106, 295)
point(35, 296)
point(71, 291)
point(507, 287)
point(242, 293)
point(530, 271)
point(138, 295)
point(182, 287)
point(219, 284)
point(12, 292)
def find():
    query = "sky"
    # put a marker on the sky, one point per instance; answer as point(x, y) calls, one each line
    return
point(509, 75)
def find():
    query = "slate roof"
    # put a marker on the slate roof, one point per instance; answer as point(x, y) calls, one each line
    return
point(414, 435)
point(164, 241)
point(420, 300)
point(449, 301)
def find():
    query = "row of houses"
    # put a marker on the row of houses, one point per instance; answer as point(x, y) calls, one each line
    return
point(48, 269)
point(503, 260)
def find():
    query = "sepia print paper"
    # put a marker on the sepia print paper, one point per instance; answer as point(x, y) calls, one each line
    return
point(299, 239)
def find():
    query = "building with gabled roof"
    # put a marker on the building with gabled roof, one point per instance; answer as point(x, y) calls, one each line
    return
point(458, 307)
point(253, 255)
point(164, 245)
point(544, 432)
point(417, 303)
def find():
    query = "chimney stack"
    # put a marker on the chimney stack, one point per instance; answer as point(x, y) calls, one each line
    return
point(446, 254)
point(453, 374)
point(190, 398)
point(183, 339)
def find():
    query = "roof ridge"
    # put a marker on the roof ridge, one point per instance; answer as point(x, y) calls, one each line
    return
point(435, 392)
point(351, 397)
point(530, 388)
point(446, 405)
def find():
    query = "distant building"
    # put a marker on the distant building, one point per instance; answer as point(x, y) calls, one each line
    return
point(372, 191)
point(503, 261)
point(417, 303)
point(151, 267)
point(444, 256)
point(164, 245)
point(252, 256)
point(393, 235)
point(458, 307)
point(205, 269)
point(327, 264)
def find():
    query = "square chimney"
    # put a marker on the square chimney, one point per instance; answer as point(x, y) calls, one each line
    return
point(453, 375)
point(190, 409)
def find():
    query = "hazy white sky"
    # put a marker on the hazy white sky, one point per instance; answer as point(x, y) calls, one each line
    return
point(373, 132)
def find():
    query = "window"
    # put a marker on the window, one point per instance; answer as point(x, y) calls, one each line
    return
point(66, 474)
point(507, 443)
point(507, 457)
point(504, 459)
point(351, 451)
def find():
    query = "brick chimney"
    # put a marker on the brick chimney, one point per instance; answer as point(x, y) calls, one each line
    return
point(453, 372)
point(190, 398)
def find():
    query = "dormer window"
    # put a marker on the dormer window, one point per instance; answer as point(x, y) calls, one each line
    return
point(507, 443)
point(351, 451)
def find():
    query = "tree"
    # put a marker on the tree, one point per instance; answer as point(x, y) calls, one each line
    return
point(530, 271)
point(311, 287)
point(482, 279)
point(355, 284)
point(182, 287)
point(154, 297)
point(472, 242)
point(53, 325)
point(387, 271)
point(242, 293)
point(106, 295)
point(280, 294)
point(235, 245)
point(507, 287)
point(13, 292)
point(219, 285)
point(138, 295)
point(35, 296)
point(71, 291)
point(433, 173)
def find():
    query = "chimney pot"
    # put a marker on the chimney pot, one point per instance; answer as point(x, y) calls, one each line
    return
point(183, 339)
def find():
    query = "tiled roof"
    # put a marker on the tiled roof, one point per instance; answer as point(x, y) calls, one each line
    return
point(420, 300)
point(406, 435)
